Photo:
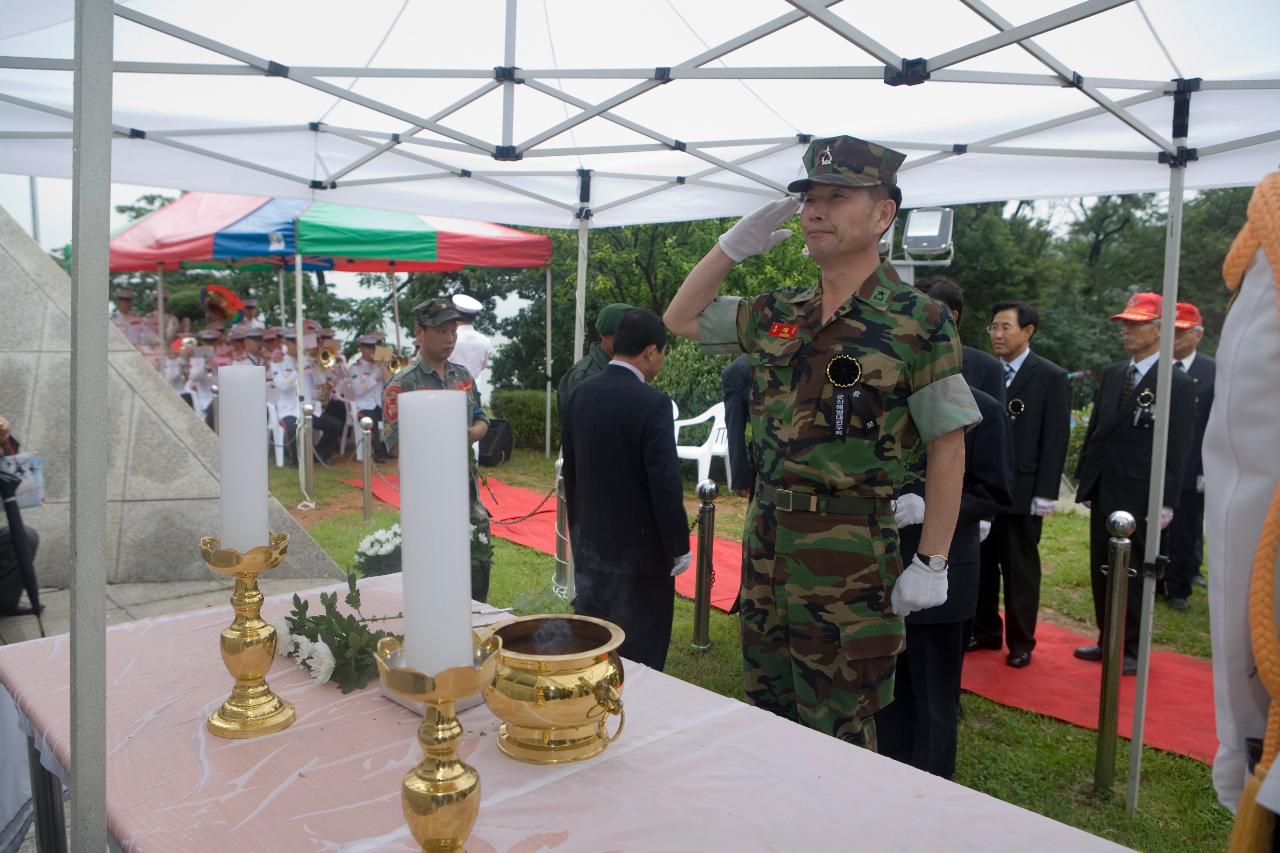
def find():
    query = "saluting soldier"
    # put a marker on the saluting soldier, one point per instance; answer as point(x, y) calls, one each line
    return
point(435, 327)
point(852, 376)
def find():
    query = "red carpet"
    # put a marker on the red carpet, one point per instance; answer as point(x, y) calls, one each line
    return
point(539, 532)
point(1179, 692)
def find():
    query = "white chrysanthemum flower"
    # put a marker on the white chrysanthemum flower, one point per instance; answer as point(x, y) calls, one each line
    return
point(366, 544)
point(284, 640)
point(321, 662)
point(395, 528)
point(304, 646)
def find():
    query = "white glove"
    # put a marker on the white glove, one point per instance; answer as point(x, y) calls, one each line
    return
point(1042, 506)
point(1166, 516)
point(918, 588)
point(984, 530)
point(1200, 484)
point(758, 232)
point(1087, 504)
point(681, 563)
point(908, 510)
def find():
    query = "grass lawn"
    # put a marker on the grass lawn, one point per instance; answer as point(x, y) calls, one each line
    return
point(1034, 762)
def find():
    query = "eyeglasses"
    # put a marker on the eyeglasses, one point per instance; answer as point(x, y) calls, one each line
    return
point(1001, 327)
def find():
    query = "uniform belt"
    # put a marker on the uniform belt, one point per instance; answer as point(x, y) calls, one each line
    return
point(788, 501)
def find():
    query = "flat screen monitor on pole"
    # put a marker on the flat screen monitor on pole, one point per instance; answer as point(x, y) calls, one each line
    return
point(928, 231)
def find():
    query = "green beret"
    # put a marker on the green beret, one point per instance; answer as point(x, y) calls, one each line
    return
point(607, 319)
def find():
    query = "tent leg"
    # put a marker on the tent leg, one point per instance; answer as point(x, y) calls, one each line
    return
point(160, 324)
point(1155, 495)
point(548, 369)
point(395, 308)
point(580, 304)
point(90, 274)
point(280, 288)
point(35, 209)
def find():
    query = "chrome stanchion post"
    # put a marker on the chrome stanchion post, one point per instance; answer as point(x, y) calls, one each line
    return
point(306, 452)
point(366, 446)
point(1120, 525)
point(214, 389)
point(707, 491)
point(563, 582)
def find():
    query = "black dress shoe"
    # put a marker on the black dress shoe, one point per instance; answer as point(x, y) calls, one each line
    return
point(1093, 652)
point(974, 644)
point(1130, 666)
point(1179, 604)
point(1199, 580)
point(1018, 660)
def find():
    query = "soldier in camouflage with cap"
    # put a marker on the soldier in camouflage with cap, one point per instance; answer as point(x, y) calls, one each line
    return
point(852, 377)
point(435, 327)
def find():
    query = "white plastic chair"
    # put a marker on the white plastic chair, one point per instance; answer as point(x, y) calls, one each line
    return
point(357, 432)
point(675, 419)
point(275, 431)
point(717, 443)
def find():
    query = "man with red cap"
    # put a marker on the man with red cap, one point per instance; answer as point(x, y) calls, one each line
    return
point(1114, 472)
point(1186, 533)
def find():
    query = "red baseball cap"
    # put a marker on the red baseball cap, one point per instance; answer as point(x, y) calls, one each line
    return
point(1141, 307)
point(1188, 317)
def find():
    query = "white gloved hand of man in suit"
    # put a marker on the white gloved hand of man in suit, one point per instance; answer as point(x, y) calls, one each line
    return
point(1166, 517)
point(1042, 506)
point(984, 529)
point(1200, 484)
point(908, 510)
point(758, 231)
point(681, 563)
point(918, 589)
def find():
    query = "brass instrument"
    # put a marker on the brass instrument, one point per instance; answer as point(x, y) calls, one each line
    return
point(327, 359)
point(393, 360)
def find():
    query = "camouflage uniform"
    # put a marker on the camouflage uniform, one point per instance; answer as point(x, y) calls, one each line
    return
point(818, 640)
point(419, 377)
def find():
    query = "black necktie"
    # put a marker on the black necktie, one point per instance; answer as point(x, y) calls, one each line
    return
point(1180, 365)
point(1130, 379)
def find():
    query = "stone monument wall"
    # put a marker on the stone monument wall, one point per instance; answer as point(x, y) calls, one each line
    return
point(163, 480)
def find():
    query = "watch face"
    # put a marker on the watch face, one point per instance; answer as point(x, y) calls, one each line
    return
point(938, 563)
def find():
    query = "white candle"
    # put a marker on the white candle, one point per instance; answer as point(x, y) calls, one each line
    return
point(435, 529)
point(242, 419)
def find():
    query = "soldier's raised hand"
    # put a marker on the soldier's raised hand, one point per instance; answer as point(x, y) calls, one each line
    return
point(758, 231)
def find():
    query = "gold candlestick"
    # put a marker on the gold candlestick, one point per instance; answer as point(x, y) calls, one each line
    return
point(248, 643)
point(441, 796)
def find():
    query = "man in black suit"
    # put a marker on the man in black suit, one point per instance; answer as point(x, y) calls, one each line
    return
point(735, 382)
point(1186, 533)
point(980, 369)
point(1039, 414)
point(1114, 472)
point(919, 727)
point(624, 494)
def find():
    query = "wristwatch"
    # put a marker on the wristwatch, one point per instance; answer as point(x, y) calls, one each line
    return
point(935, 563)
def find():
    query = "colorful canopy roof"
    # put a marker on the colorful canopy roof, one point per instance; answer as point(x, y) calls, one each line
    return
point(211, 229)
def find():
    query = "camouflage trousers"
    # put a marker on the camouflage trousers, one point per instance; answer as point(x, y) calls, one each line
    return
point(480, 563)
point(817, 647)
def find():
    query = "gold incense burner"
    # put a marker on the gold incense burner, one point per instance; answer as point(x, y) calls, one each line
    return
point(441, 796)
point(248, 644)
point(558, 680)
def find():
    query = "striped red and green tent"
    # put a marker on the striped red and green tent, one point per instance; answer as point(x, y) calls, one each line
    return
point(202, 230)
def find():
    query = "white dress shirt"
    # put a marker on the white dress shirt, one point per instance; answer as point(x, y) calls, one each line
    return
point(471, 350)
point(1014, 366)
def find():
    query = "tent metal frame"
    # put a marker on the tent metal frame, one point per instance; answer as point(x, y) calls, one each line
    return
point(93, 133)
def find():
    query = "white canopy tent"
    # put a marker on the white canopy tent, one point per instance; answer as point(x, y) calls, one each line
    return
point(582, 113)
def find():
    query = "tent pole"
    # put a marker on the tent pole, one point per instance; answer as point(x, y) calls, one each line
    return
point(35, 210)
point(580, 302)
point(90, 270)
point(1159, 439)
point(395, 306)
point(548, 370)
point(299, 364)
point(160, 324)
point(280, 288)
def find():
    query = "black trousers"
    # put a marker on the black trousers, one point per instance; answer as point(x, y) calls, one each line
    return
point(1186, 544)
point(919, 726)
point(1011, 553)
point(1098, 543)
point(640, 605)
point(375, 414)
point(328, 427)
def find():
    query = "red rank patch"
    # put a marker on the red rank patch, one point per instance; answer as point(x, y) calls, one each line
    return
point(391, 404)
point(786, 331)
point(463, 385)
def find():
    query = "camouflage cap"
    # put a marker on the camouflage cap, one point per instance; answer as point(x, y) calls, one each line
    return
point(435, 312)
point(607, 319)
point(848, 161)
